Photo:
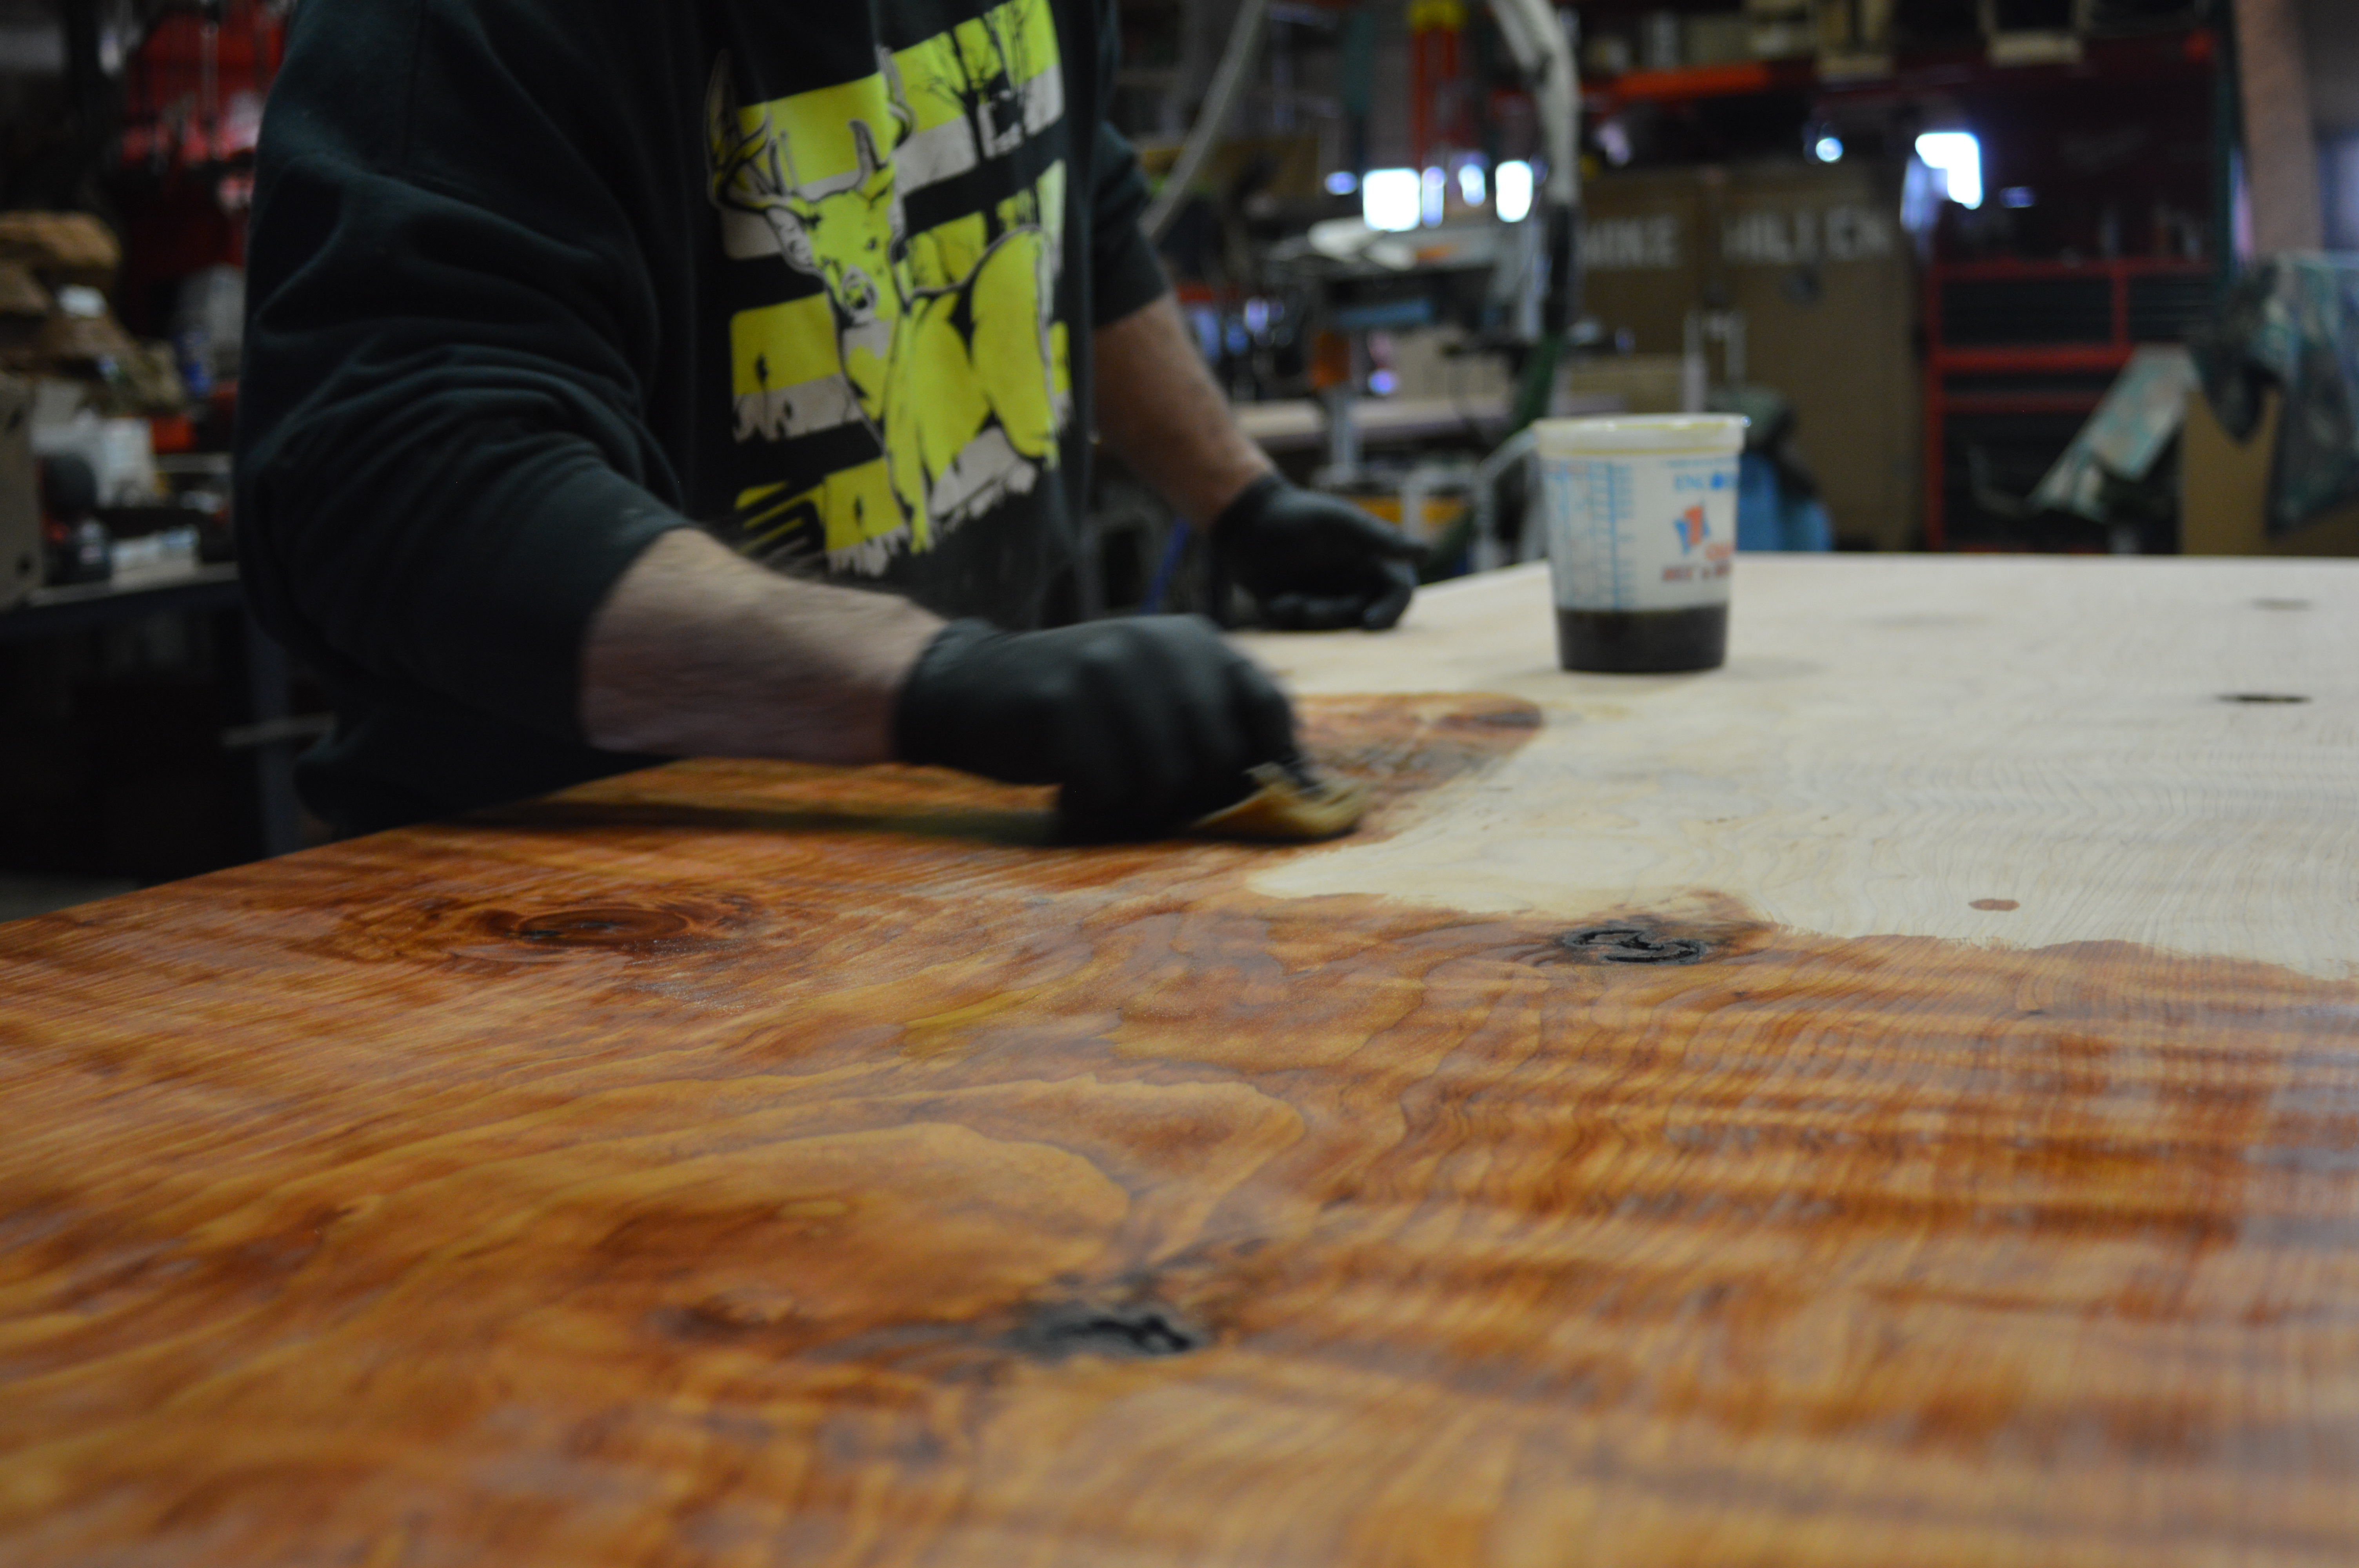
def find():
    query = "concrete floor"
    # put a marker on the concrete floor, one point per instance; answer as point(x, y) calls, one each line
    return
point(21, 895)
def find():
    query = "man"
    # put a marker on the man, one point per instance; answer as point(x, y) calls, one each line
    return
point(533, 285)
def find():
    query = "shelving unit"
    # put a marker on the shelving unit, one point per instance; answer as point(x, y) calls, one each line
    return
point(1912, 74)
point(1689, 83)
point(2027, 349)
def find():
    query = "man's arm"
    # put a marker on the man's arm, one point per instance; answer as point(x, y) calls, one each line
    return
point(1313, 562)
point(700, 652)
point(1145, 722)
point(1160, 411)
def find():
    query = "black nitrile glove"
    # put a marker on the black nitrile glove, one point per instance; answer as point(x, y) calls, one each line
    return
point(1146, 724)
point(1313, 562)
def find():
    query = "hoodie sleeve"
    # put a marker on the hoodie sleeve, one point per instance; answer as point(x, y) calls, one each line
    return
point(1127, 272)
point(443, 461)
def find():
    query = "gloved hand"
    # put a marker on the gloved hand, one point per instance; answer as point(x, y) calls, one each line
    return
point(1313, 562)
point(1146, 724)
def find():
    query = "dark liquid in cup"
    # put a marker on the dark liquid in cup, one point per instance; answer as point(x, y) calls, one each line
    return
point(1642, 641)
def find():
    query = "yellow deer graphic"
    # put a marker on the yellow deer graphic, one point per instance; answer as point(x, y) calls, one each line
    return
point(955, 382)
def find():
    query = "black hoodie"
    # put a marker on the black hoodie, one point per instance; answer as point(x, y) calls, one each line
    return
point(531, 283)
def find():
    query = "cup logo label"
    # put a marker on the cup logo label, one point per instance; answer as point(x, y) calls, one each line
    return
point(1693, 529)
point(1639, 531)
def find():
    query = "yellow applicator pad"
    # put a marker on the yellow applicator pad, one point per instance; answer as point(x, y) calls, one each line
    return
point(1292, 806)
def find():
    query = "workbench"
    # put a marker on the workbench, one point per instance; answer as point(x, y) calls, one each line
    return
point(1894, 1101)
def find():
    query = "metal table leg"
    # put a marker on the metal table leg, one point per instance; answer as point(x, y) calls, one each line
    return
point(269, 681)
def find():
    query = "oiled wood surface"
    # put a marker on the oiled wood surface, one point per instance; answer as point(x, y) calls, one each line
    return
point(737, 1164)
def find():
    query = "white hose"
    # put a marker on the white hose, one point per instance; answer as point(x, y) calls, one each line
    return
point(1490, 552)
point(1228, 85)
point(1536, 37)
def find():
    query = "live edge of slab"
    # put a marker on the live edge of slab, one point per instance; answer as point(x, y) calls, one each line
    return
point(1892, 1101)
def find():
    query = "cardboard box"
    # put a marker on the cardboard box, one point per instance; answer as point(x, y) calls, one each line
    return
point(2225, 491)
point(1814, 258)
point(1646, 383)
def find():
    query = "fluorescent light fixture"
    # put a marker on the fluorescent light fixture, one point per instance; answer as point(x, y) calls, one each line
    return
point(1515, 187)
point(1342, 182)
point(1388, 199)
point(1828, 149)
point(2016, 196)
point(1434, 190)
point(1959, 155)
point(1470, 182)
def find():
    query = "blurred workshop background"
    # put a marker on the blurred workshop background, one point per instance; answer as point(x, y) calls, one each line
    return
point(2043, 276)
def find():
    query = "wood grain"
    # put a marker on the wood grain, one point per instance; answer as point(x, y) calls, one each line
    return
point(1897, 740)
point(740, 1164)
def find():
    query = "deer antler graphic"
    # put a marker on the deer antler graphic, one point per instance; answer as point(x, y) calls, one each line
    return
point(746, 175)
point(896, 98)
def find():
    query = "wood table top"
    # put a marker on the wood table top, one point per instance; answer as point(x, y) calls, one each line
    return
point(1892, 1101)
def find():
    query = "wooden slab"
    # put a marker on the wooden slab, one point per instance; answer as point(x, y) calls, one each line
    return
point(747, 1164)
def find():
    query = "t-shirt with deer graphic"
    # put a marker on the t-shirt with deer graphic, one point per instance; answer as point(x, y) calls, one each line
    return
point(941, 347)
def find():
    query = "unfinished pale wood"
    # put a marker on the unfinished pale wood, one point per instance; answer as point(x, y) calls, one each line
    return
point(1897, 743)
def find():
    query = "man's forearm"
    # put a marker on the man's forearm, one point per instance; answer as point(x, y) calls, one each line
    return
point(698, 652)
point(1161, 412)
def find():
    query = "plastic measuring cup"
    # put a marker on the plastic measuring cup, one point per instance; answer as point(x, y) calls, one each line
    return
point(1641, 513)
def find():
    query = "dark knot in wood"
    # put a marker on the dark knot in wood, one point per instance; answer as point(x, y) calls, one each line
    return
point(1630, 945)
point(606, 926)
point(1138, 1329)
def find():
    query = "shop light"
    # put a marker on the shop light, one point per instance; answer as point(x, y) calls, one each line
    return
point(1342, 182)
point(1388, 199)
point(1828, 149)
point(1515, 187)
point(1959, 155)
point(1431, 194)
point(1470, 182)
